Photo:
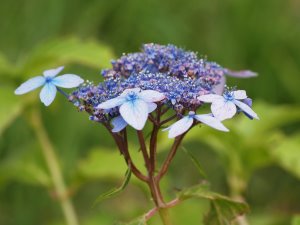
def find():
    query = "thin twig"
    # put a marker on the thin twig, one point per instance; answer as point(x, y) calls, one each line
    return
point(123, 148)
point(170, 156)
point(144, 149)
point(167, 120)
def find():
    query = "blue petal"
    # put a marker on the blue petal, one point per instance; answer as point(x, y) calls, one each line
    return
point(67, 81)
point(53, 72)
point(180, 127)
point(30, 85)
point(118, 123)
point(211, 121)
point(241, 74)
point(112, 103)
point(245, 108)
point(48, 94)
point(135, 113)
point(223, 109)
point(151, 96)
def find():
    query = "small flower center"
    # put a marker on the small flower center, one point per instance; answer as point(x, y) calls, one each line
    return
point(228, 96)
point(49, 79)
point(131, 96)
point(191, 114)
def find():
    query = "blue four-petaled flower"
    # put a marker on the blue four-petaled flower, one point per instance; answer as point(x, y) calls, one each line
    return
point(50, 82)
point(134, 106)
point(224, 106)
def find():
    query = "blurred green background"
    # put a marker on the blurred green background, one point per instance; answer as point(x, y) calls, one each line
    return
point(258, 161)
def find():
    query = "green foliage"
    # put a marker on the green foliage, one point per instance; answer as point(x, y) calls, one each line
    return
point(66, 51)
point(138, 221)
point(296, 220)
point(115, 191)
point(286, 153)
point(11, 107)
point(249, 144)
point(196, 162)
point(223, 209)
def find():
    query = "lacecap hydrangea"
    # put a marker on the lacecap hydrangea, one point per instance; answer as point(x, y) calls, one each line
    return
point(179, 75)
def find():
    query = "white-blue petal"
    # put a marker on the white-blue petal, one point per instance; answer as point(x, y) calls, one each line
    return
point(246, 109)
point(180, 127)
point(210, 98)
point(127, 91)
point(53, 72)
point(135, 113)
point(219, 88)
point(48, 93)
point(112, 103)
point(151, 96)
point(30, 85)
point(241, 74)
point(151, 107)
point(240, 94)
point(211, 121)
point(223, 109)
point(118, 123)
point(67, 81)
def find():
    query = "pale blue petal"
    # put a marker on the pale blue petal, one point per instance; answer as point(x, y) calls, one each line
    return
point(151, 96)
point(30, 85)
point(210, 98)
point(53, 72)
point(248, 101)
point(151, 107)
point(211, 121)
point(48, 93)
point(180, 127)
point(130, 90)
point(112, 103)
point(222, 109)
point(246, 109)
point(219, 88)
point(118, 123)
point(240, 94)
point(135, 113)
point(67, 81)
point(241, 74)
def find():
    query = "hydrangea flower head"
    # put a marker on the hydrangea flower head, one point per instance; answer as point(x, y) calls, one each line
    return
point(50, 82)
point(164, 70)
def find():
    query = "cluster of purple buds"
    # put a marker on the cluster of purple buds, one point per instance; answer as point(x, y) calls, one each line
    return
point(157, 77)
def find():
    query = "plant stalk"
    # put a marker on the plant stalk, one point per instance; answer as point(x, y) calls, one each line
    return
point(54, 169)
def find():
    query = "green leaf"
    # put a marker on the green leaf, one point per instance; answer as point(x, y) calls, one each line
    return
point(223, 209)
point(11, 107)
point(66, 51)
point(24, 171)
point(286, 153)
point(115, 191)
point(5, 66)
point(296, 220)
point(195, 161)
